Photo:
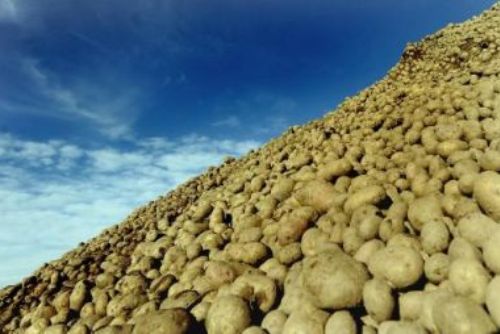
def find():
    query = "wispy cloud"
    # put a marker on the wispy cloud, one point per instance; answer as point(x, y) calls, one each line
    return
point(112, 114)
point(231, 121)
point(272, 125)
point(55, 194)
point(8, 11)
point(277, 108)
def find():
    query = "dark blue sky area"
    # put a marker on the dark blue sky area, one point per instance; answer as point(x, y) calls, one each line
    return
point(121, 70)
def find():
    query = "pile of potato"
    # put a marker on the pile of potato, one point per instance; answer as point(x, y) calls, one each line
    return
point(382, 217)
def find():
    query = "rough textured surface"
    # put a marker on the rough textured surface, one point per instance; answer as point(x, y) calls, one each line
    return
point(389, 196)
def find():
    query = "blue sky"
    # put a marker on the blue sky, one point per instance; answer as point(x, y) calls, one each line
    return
point(107, 104)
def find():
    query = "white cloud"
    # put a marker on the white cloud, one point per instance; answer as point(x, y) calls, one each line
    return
point(55, 194)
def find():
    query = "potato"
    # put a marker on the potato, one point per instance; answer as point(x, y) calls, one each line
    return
point(423, 210)
point(78, 296)
point(460, 248)
point(369, 195)
point(55, 329)
point(227, 315)
point(487, 193)
point(340, 322)
point(202, 210)
point(436, 267)
point(410, 305)
point(435, 236)
point(476, 228)
point(493, 299)
point(290, 253)
point(334, 169)
point(334, 279)
point(305, 321)
point(295, 296)
point(298, 160)
point(400, 327)
point(274, 321)
point(366, 218)
point(405, 240)
point(469, 278)
point(351, 240)
point(491, 251)
point(378, 300)
point(282, 189)
point(256, 287)
point(428, 301)
point(369, 248)
point(491, 128)
point(458, 206)
point(275, 270)
point(448, 147)
point(315, 241)
point(401, 266)
point(184, 299)
point(320, 195)
point(250, 252)
point(292, 226)
point(254, 330)
point(395, 217)
point(445, 131)
point(175, 321)
point(200, 311)
point(250, 234)
point(490, 160)
point(457, 315)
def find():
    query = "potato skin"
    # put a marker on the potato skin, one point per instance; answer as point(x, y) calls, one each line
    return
point(369, 195)
point(400, 327)
point(435, 236)
point(378, 300)
point(469, 278)
point(459, 315)
point(493, 299)
point(423, 210)
point(228, 315)
point(401, 266)
point(487, 193)
point(305, 321)
point(335, 279)
point(320, 195)
point(491, 252)
point(340, 322)
point(175, 321)
point(476, 228)
point(274, 321)
point(410, 305)
point(436, 267)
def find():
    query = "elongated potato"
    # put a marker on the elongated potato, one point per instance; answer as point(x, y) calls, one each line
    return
point(378, 300)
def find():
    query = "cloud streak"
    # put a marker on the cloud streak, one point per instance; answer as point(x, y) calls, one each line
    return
point(8, 11)
point(55, 194)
